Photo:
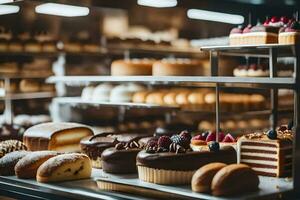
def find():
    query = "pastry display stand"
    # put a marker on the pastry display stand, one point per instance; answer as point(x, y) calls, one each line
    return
point(274, 186)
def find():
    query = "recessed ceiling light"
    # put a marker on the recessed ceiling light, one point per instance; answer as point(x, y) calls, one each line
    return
point(158, 3)
point(8, 9)
point(215, 16)
point(62, 10)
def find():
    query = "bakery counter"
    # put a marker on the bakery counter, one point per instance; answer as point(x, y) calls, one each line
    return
point(270, 188)
point(81, 189)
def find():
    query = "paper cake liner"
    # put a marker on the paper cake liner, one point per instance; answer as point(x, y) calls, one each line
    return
point(97, 163)
point(165, 177)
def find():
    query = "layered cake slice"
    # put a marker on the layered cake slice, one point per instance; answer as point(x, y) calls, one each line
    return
point(269, 154)
point(290, 34)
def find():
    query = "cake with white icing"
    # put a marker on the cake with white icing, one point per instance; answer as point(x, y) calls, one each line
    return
point(269, 154)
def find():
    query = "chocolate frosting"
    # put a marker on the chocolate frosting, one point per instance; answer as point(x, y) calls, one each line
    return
point(126, 137)
point(262, 28)
point(173, 128)
point(185, 161)
point(93, 146)
point(119, 161)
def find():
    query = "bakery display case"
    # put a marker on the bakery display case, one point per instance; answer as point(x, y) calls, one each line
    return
point(104, 102)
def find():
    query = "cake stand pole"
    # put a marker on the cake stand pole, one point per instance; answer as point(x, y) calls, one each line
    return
point(274, 91)
point(214, 63)
point(296, 153)
point(8, 110)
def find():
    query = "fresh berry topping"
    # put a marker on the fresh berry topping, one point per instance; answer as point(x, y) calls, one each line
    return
point(176, 148)
point(204, 135)
point(176, 139)
point(290, 125)
point(275, 19)
point(164, 142)
point(152, 143)
point(253, 67)
point(247, 29)
point(214, 146)
point(198, 137)
point(182, 141)
point(284, 19)
point(211, 137)
point(229, 138)
point(186, 135)
point(272, 134)
point(282, 128)
point(266, 23)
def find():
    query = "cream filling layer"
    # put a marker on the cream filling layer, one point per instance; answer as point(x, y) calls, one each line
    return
point(259, 148)
point(265, 170)
point(264, 162)
point(289, 33)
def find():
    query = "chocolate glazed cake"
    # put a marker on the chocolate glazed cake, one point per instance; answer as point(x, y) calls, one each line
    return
point(268, 157)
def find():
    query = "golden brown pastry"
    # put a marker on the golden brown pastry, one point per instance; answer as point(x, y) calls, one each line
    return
point(155, 98)
point(29, 86)
point(65, 167)
point(140, 97)
point(28, 165)
point(234, 179)
point(132, 67)
point(8, 162)
point(8, 146)
point(201, 181)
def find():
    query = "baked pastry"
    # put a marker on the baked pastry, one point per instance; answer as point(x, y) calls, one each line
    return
point(253, 70)
point(170, 98)
point(177, 67)
point(100, 93)
point(140, 97)
point(155, 98)
point(27, 166)
point(121, 159)
point(268, 154)
point(290, 34)
point(132, 67)
point(47, 87)
point(65, 167)
point(73, 46)
point(202, 179)
point(32, 46)
point(49, 46)
point(58, 136)
point(173, 128)
point(15, 45)
point(87, 93)
point(227, 181)
point(8, 146)
point(27, 85)
point(93, 146)
point(8, 162)
point(121, 93)
point(9, 68)
point(169, 162)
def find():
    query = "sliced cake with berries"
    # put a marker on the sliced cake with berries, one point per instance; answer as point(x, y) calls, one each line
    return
point(269, 153)
point(201, 142)
point(170, 161)
point(290, 34)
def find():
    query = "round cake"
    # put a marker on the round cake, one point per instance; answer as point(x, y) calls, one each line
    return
point(177, 67)
point(132, 67)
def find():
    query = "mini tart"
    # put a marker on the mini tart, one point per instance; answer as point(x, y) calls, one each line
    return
point(65, 167)
point(93, 146)
point(176, 169)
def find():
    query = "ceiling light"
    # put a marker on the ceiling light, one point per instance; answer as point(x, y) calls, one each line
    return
point(6, 1)
point(8, 9)
point(62, 10)
point(158, 3)
point(215, 16)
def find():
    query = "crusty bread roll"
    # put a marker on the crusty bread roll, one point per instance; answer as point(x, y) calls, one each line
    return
point(140, 97)
point(65, 167)
point(170, 98)
point(156, 98)
point(234, 179)
point(132, 67)
point(201, 181)
point(8, 162)
point(57, 136)
point(177, 67)
point(182, 98)
point(27, 85)
point(196, 98)
point(27, 166)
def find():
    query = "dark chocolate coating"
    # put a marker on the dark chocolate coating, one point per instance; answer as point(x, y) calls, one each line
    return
point(119, 161)
point(173, 128)
point(186, 161)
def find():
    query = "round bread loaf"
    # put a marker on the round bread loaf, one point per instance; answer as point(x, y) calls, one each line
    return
point(140, 97)
point(156, 98)
point(29, 86)
point(28, 165)
point(229, 180)
point(132, 67)
point(8, 146)
point(201, 181)
point(8, 162)
point(65, 167)
point(177, 67)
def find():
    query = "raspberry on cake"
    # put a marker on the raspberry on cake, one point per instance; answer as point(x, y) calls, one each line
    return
point(269, 154)
point(290, 34)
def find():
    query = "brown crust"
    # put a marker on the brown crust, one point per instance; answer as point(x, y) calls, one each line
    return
point(28, 165)
point(132, 67)
point(52, 164)
point(201, 181)
point(228, 180)
point(8, 162)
